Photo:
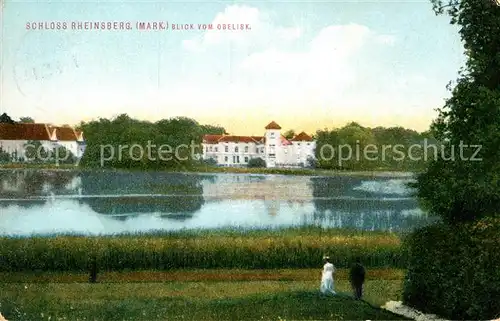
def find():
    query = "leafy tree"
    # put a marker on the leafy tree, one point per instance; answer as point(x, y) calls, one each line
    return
point(465, 185)
point(311, 162)
point(4, 118)
point(391, 148)
point(62, 155)
point(35, 152)
point(167, 143)
point(256, 162)
point(4, 156)
point(210, 161)
point(289, 134)
point(212, 130)
point(26, 120)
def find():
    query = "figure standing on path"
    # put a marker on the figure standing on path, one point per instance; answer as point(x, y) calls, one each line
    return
point(357, 278)
point(327, 285)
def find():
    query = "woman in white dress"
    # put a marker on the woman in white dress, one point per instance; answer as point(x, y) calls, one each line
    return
point(327, 285)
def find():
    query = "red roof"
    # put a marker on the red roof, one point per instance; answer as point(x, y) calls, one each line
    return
point(237, 139)
point(29, 131)
point(214, 139)
point(259, 139)
point(22, 131)
point(285, 141)
point(65, 134)
point(273, 125)
point(211, 139)
point(302, 137)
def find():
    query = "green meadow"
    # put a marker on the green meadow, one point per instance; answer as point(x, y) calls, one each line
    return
point(227, 274)
point(223, 294)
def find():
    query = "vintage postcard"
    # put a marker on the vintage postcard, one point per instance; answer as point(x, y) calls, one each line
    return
point(249, 160)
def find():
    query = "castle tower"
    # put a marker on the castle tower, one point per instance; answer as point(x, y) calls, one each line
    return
point(272, 143)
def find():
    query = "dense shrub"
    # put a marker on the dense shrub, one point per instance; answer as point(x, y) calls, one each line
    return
point(256, 162)
point(454, 271)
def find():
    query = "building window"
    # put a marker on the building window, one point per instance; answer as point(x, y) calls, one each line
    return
point(246, 149)
point(216, 149)
point(206, 149)
point(226, 149)
point(272, 145)
point(225, 159)
point(237, 159)
point(272, 134)
point(246, 159)
point(236, 149)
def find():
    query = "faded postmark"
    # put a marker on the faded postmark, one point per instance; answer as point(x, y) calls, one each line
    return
point(44, 61)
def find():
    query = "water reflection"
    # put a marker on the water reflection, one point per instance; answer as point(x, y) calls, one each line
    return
point(29, 183)
point(111, 202)
point(177, 196)
point(374, 204)
point(272, 190)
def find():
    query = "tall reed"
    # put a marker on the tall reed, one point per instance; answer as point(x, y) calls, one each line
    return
point(289, 248)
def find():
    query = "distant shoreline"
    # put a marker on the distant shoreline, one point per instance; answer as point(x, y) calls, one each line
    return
point(225, 170)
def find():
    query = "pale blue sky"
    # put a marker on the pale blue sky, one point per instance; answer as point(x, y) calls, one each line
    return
point(306, 65)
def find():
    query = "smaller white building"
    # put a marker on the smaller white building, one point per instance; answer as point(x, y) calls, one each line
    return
point(15, 138)
point(272, 147)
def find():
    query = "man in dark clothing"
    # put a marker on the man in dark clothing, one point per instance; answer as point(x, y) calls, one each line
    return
point(93, 269)
point(357, 278)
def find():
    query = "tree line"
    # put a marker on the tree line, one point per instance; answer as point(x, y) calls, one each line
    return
point(354, 147)
point(338, 148)
point(126, 131)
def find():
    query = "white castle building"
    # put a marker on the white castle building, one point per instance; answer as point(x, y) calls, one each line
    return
point(273, 148)
point(14, 137)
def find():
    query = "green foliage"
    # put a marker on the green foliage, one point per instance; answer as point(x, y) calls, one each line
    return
point(209, 162)
point(345, 148)
point(165, 144)
point(462, 189)
point(4, 156)
point(26, 120)
point(212, 130)
point(453, 270)
point(289, 134)
point(4, 118)
point(312, 162)
point(453, 267)
point(63, 156)
point(293, 248)
point(36, 153)
point(256, 162)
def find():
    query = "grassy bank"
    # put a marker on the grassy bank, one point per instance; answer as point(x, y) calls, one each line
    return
point(288, 248)
point(208, 295)
point(216, 169)
point(296, 171)
point(194, 275)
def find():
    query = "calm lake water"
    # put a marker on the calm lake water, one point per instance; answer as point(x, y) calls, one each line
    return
point(102, 202)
